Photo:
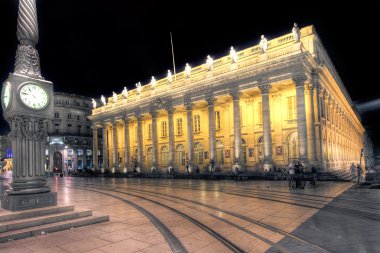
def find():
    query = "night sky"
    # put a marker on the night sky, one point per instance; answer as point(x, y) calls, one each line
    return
point(94, 47)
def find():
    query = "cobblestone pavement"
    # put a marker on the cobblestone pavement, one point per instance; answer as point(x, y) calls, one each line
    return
point(148, 215)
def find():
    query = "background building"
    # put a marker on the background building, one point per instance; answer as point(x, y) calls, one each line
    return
point(70, 134)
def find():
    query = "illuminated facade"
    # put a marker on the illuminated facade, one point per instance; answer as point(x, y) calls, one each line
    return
point(70, 134)
point(267, 105)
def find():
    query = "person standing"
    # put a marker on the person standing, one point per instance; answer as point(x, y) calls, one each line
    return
point(359, 172)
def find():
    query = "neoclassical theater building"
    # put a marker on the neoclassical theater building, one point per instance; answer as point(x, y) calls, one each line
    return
point(274, 103)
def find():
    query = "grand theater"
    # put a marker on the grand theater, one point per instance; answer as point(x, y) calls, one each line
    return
point(277, 102)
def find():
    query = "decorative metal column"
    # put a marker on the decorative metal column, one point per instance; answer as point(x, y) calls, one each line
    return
point(264, 86)
point(27, 101)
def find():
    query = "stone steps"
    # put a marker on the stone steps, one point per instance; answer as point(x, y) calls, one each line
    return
point(25, 224)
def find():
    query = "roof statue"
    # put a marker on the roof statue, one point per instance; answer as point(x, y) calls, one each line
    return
point(263, 44)
point(188, 70)
point(296, 33)
point(93, 104)
point(103, 99)
point(170, 77)
point(125, 92)
point(233, 55)
point(209, 62)
point(138, 88)
point(114, 97)
point(153, 82)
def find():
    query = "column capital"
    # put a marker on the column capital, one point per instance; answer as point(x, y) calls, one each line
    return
point(189, 106)
point(126, 120)
point(264, 88)
point(153, 113)
point(235, 93)
point(310, 87)
point(299, 79)
point(169, 108)
point(210, 98)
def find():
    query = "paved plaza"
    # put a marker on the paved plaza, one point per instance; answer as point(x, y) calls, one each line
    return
point(164, 215)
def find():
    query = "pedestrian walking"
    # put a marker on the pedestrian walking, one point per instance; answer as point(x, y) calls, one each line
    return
point(359, 172)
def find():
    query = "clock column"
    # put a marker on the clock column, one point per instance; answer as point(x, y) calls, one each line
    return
point(28, 112)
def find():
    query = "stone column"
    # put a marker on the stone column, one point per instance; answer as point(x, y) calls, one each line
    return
point(95, 147)
point(318, 118)
point(126, 145)
point(235, 93)
point(190, 135)
point(211, 118)
point(115, 161)
point(105, 148)
point(154, 138)
point(140, 146)
point(264, 86)
point(299, 81)
point(170, 110)
point(310, 121)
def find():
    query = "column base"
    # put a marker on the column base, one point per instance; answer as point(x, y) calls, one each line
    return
point(267, 165)
point(25, 202)
point(236, 168)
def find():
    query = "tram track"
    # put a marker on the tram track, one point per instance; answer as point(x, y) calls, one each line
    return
point(175, 244)
point(333, 206)
point(213, 208)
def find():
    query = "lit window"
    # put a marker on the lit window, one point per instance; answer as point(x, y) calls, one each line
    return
point(260, 112)
point(292, 108)
point(164, 129)
point(197, 123)
point(217, 120)
point(149, 131)
point(179, 126)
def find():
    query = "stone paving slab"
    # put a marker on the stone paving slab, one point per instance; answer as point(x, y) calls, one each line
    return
point(130, 231)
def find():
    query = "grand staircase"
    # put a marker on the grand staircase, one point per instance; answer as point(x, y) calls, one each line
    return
point(19, 225)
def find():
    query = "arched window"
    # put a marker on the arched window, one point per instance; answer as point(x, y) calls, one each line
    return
point(244, 151)
point(219, 152)
point(164, 156)
point(180, 155)
point(198, 150)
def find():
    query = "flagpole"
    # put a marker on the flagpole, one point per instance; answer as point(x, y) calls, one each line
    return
point(171, 40)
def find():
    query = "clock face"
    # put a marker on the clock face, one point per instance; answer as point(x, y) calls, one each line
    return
point(6, 95)
point(33, 96)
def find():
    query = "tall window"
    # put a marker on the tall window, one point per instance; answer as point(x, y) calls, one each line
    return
point(56, 115)
point(217, 120)
point(78, 117)
point(150, 131)
point(198, 150)
point(197, 123)
point(164, 130)
point(292, 113)
point(180, 155)
point(244, 151)
point(69, 116)
point(260, 112)
point(179, 126)
point(164, 156)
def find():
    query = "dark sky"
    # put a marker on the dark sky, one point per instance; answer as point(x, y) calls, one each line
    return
point(92, 47)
